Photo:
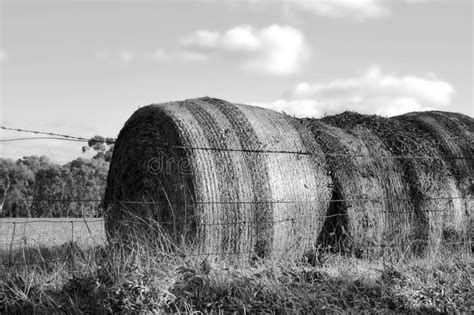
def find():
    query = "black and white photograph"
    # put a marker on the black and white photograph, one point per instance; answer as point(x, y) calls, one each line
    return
point(236, 157)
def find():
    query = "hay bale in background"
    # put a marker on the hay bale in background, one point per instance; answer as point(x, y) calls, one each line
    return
point(454, 136)
point(430, 182)
point(368, 207)
point(232, 195)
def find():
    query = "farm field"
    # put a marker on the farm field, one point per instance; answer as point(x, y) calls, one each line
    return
point(18, 233)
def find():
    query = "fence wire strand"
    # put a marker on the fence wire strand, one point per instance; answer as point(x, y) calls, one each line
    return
point(83, 220)
point(87, 221)
point(58, 136)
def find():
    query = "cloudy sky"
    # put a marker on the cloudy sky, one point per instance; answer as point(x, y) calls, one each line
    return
point(83, 67)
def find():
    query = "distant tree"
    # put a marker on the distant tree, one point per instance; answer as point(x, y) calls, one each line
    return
point(49, 190)
point(87, 180)
point(6, 168)
point(103, 147)
point(35, 186)
point(16, 183)
point(34, 162)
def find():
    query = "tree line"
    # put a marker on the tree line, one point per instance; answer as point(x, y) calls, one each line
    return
point(34, 186)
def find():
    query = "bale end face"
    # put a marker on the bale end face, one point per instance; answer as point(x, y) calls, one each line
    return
point(246, 189)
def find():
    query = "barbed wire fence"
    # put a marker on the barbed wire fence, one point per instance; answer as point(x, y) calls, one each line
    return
point(91, 232)
point(57, 136)
point(74, 229)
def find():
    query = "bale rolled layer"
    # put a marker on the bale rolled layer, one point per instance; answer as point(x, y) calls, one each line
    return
point(229, 178)
point(370, 205)
point(453, 134)
point(430, 174)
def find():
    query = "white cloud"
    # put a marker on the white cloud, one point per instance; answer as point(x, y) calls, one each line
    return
point(298, 108)
point(358, 9)
point(373, 92)
point(3, 55)
point(241, 38)
point(275, 49)
point(354, 9)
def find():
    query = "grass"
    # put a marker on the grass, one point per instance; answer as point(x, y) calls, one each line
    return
point(18, 233)
point(149, 275)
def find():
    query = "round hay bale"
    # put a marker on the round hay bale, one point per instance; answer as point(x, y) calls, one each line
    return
point(225, 178)
point(368, 192)
point(415, 142)
point(454, 136)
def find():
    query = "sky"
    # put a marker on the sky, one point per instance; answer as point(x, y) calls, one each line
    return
point(83, 67)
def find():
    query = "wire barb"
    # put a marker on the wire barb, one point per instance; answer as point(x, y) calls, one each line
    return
point(58, 136)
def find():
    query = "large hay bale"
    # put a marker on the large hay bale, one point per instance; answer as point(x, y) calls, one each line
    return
point(437, 188)
point(453, 134)
point(228, 178)
point(369, 201)
point(235, 179)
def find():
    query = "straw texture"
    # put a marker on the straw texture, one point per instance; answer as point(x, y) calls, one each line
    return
point(358, 175)
point(435, 211)
point(237, 201)
point(237, 181)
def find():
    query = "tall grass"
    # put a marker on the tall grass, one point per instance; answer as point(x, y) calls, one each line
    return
point(148, 273)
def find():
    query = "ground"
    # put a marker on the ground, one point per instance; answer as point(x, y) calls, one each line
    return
point(148, 276)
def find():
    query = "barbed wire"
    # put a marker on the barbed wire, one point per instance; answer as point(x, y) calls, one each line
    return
point(44, 133)
point(40, 138)
point(61, 220)
point(186, 202)
point(286, 249)
point(285, 201)
point(349, 203)
point(221, 253)
point(301, 152)
point(262, 151)
point(58, 200)
point(74, 238)
point(400, 157)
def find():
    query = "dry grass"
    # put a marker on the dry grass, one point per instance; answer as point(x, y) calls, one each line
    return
point(19, 233)
point(150, 276)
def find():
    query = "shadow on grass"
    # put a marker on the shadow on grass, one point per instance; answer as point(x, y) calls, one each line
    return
point(135, 285)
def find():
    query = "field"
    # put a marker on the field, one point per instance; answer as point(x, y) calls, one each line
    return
point(18, 233)
point(149, 276)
